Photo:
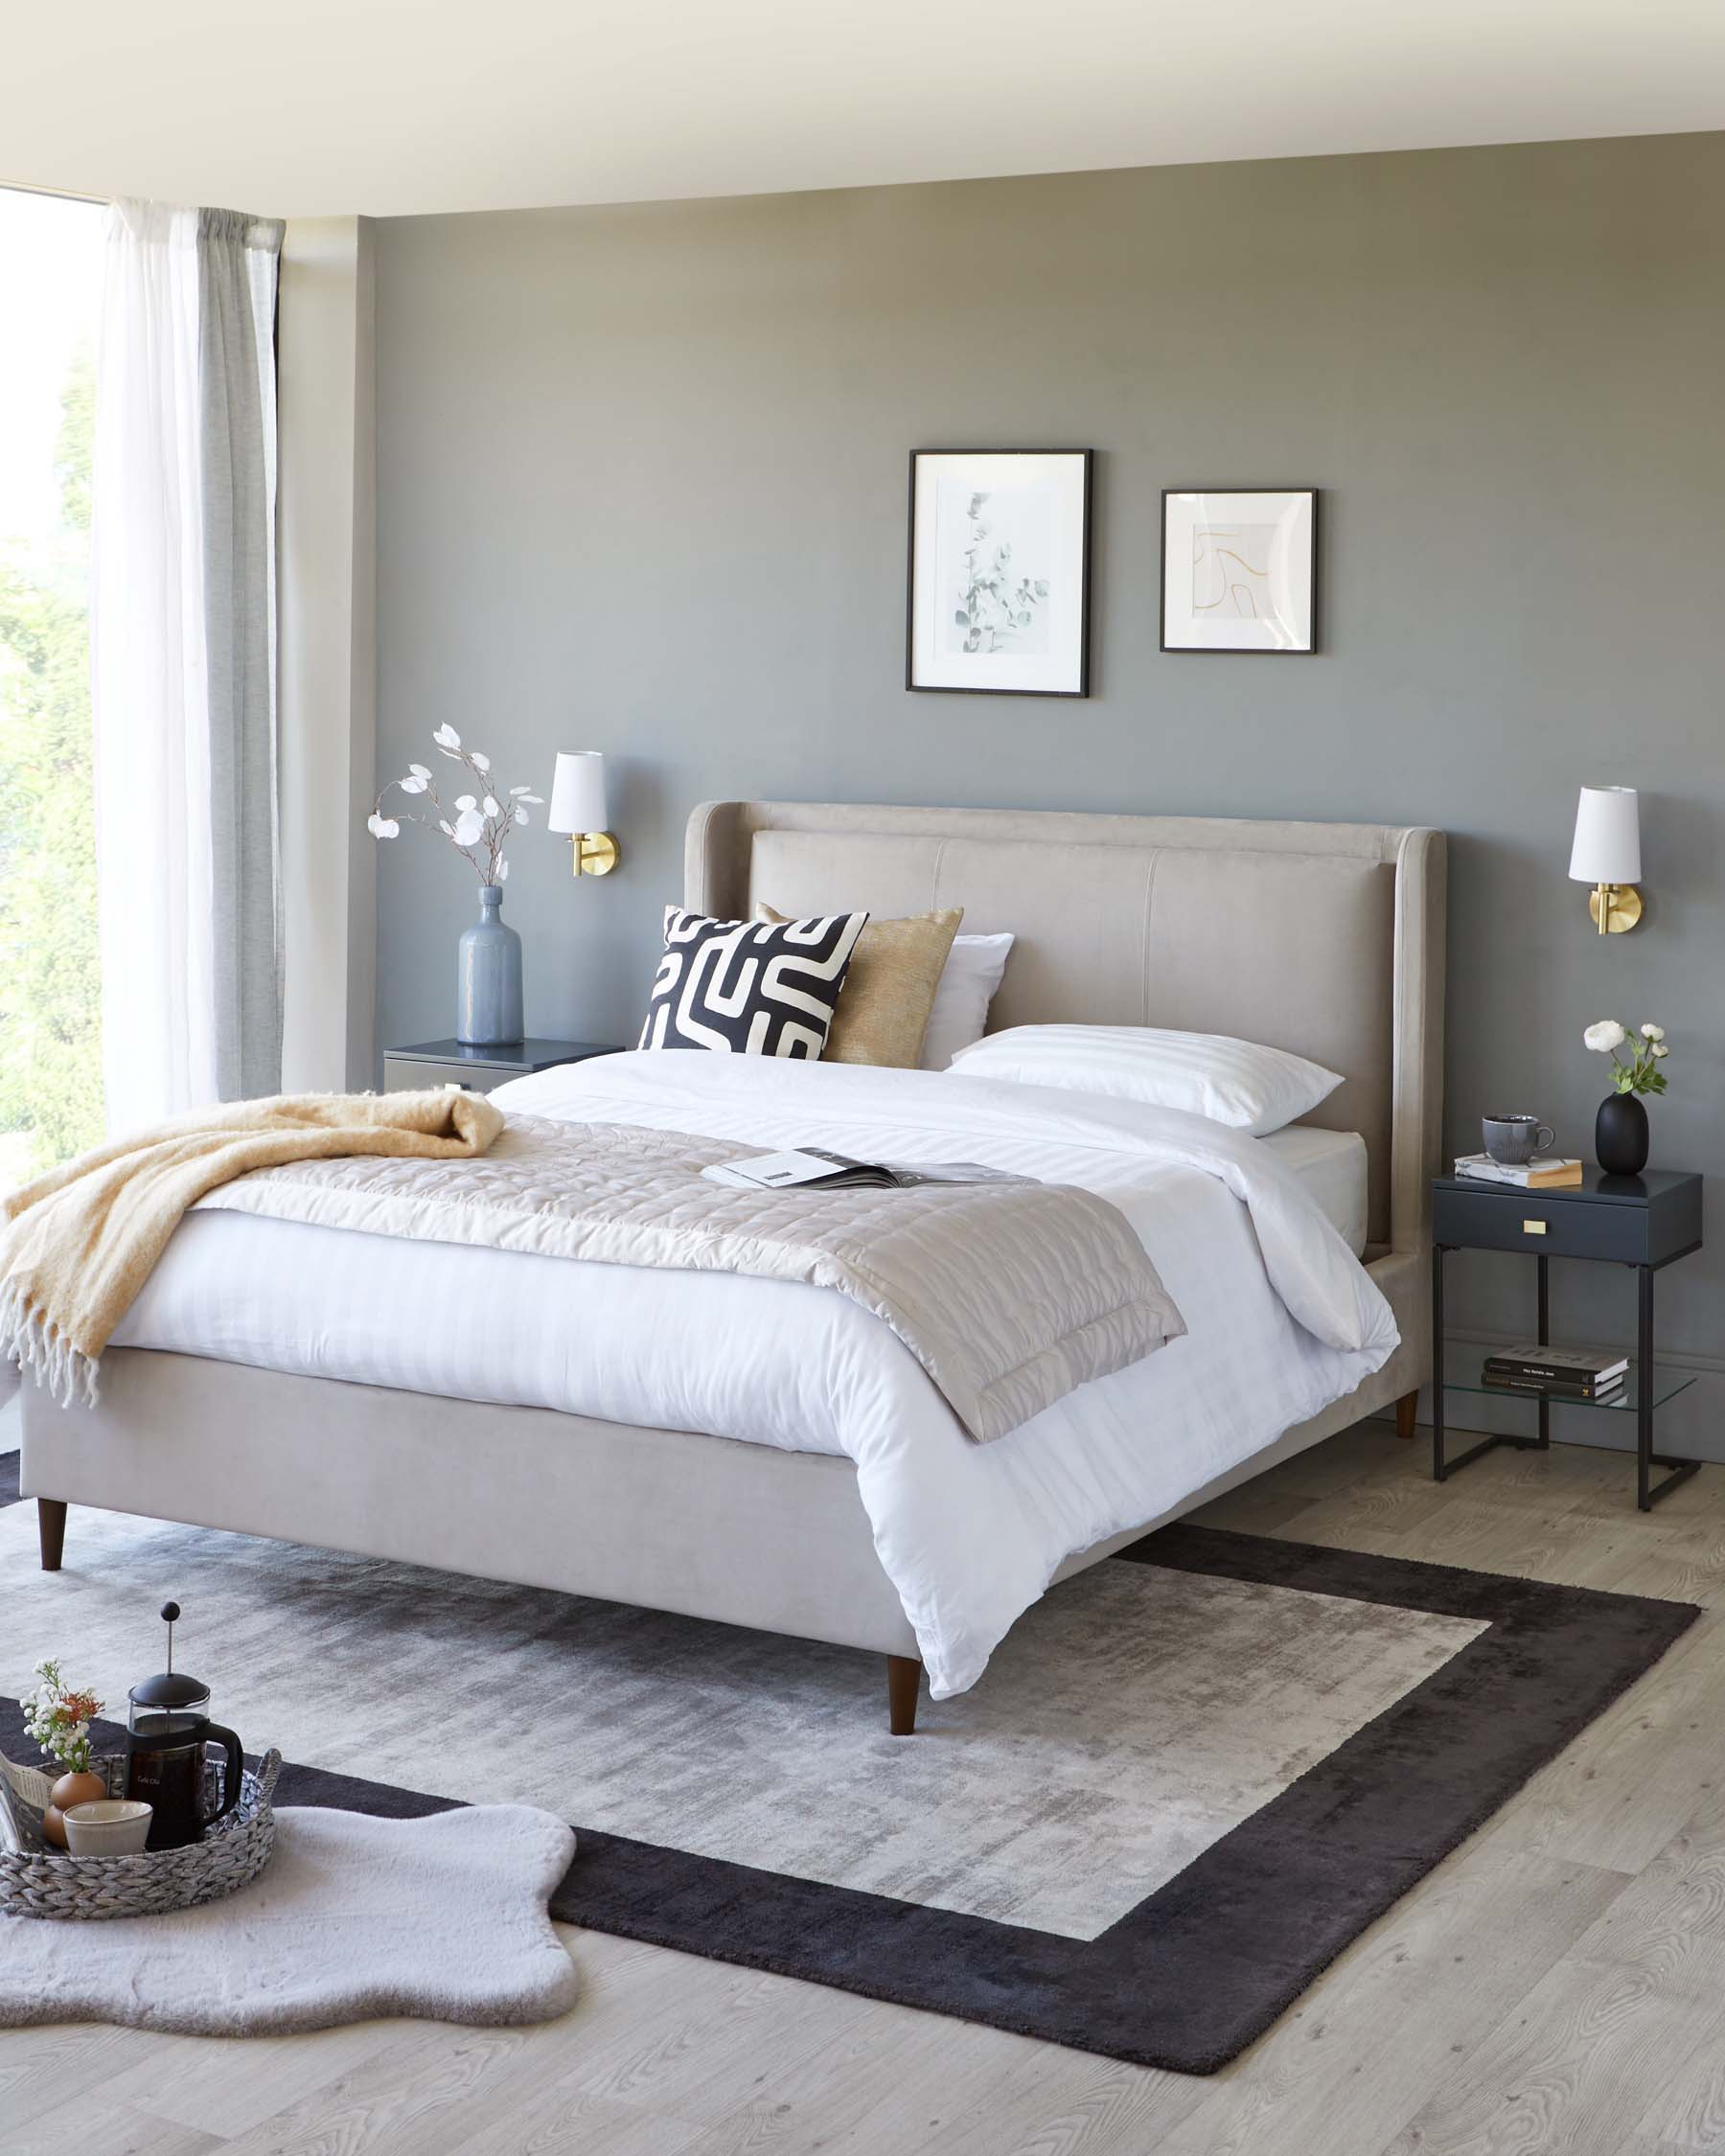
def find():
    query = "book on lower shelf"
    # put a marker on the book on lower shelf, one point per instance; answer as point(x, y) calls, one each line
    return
point(1550, 1367)
point(1555, 1388)
point(1546, 1171)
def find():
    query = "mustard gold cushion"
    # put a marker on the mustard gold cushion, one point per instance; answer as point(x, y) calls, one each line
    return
point(889, 989)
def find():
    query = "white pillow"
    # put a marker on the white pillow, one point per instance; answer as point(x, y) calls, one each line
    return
point(968, 982)
point(1238, 1083)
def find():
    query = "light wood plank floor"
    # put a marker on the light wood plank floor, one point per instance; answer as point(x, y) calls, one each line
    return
point(1558, 1985)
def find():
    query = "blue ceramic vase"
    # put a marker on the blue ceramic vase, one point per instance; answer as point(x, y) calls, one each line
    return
point(488, 994)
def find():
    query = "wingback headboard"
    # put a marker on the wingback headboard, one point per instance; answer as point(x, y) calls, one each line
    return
point(1326, 939)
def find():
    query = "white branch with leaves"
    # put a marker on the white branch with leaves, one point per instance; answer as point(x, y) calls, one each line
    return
point(477, 825)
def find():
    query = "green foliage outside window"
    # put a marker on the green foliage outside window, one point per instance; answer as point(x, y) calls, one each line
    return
point(51, 1089)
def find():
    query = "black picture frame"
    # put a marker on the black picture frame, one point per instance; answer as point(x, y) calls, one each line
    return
point(1086, 468)
point(1215, 651)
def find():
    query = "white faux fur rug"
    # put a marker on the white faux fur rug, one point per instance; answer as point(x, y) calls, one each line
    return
point(443, 1918)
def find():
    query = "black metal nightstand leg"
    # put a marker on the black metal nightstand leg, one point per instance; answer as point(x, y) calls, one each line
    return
point(1545, 1340)
point(1647, 1492)
point(1438, 1467)
point(1643, 1379)
point(1442, 1469)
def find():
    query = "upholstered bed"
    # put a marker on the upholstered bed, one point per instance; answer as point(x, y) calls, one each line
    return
point(1325, 940)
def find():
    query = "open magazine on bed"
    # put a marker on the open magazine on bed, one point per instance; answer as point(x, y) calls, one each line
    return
point(813, 1168)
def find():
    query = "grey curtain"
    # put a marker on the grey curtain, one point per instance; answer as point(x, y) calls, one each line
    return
point(237, 259)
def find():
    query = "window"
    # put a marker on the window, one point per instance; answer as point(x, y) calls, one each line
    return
point(50, 1087)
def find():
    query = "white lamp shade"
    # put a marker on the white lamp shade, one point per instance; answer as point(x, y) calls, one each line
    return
point(1607, 848)
point(578, 792)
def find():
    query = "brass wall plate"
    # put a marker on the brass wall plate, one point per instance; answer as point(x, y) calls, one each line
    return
point(595, 853)
point(1625, 908)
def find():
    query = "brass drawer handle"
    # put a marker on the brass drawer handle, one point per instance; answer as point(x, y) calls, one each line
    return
point(1533, 1227)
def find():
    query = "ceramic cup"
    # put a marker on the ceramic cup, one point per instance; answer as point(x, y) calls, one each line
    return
point(1513, 1140)
point(111, 1827)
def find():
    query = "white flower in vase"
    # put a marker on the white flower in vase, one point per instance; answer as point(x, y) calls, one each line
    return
point(1647, 1047)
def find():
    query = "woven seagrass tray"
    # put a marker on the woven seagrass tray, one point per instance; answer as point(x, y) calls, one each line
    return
point(43, 1881)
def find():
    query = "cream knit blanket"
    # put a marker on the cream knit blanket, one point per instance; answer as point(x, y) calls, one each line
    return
point(77, 1243)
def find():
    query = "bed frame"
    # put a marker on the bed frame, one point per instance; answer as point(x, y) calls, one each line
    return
point(1323, 938)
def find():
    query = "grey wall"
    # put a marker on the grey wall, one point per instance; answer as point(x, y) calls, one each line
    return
point(325, 568)
point(642, 486)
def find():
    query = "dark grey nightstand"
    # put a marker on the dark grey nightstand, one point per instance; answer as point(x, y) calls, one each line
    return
point(446, 1062)
point(1646, 1221)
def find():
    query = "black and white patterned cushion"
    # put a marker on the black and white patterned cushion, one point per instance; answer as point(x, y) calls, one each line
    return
point(749, 988)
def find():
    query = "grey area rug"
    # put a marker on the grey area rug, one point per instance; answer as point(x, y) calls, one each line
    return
point(1189, 1779)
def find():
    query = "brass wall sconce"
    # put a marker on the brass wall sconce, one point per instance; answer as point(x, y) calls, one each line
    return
point(1607, 855)
point(578, 810)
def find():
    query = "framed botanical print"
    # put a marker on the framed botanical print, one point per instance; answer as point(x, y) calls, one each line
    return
point(1239, 569)
point(998, 598)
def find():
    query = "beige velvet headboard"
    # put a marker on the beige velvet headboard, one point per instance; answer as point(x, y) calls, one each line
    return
point(1323, 938)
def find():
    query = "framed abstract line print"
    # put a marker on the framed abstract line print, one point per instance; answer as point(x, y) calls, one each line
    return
point(999, 600)
point(1239, 569)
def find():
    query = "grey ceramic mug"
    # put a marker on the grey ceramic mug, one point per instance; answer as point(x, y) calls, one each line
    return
point(1513, 1140)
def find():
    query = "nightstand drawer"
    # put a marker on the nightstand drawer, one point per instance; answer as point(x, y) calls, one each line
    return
point(1543, 1226)
point(428, 1065)
point(415, 1077)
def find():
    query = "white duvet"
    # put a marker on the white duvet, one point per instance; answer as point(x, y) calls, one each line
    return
point(1282, 1321)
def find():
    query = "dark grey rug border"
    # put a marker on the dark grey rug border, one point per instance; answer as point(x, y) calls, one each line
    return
point(1199, 1968)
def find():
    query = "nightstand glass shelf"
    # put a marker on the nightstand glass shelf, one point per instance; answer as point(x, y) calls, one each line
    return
point(1461, 1374)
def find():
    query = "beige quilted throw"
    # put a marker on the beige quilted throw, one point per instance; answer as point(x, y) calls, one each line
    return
point(77, 1243)
point(1009, 1295)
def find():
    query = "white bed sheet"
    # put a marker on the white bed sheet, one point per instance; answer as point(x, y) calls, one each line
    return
point(1331, 1167)
point(969, 1534)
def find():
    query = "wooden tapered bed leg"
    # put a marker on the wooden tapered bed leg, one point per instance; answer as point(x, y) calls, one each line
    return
point(1406, 1408)
point(904, 1674)
point(50, 1532)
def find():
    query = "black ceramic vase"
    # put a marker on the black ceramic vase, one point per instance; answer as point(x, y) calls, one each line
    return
point(1620, 1136)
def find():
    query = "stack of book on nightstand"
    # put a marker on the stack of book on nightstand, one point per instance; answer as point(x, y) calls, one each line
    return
point(1546, 1171)
point(1563, 1374)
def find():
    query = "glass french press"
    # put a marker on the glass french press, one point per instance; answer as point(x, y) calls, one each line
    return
point(167, 1726)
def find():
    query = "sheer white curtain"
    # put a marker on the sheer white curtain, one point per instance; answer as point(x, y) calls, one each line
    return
point(182, 645)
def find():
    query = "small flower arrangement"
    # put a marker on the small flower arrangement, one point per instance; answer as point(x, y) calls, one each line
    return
point(58, 1718)
point(1647, 1050)
point(482, 822)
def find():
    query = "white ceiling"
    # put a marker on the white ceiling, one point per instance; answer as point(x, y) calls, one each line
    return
point(392, 106)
